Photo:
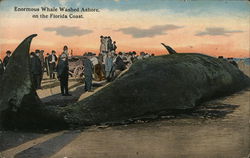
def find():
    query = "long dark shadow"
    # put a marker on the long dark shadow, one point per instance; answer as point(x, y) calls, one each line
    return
point(57, 99)
point(49, 147)
point(11, 139)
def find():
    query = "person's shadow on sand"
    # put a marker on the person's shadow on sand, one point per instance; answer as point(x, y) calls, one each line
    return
point(58, 99)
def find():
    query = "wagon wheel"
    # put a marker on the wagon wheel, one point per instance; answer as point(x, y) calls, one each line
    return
point(78, 71)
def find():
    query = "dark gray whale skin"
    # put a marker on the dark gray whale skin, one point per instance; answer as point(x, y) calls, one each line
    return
point(169, 82)
point(20, 106)
point(16, 81)
point(162, 83)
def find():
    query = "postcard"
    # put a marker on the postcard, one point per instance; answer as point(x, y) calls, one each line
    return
point(124, 78)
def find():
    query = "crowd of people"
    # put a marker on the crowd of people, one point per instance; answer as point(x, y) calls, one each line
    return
point(107, 45)
point(105, 66)
point(52, 65)
point(109, 63)
point(230, 60)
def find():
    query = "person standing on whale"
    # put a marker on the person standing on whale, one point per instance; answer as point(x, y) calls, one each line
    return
point(109, 44)
point(102, 46)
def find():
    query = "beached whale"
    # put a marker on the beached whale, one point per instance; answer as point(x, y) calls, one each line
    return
point(169, 82)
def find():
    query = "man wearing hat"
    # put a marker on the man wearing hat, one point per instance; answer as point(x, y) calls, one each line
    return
point(6, 59)
point(88, 71)
point(63, 74)
point(66, 51)
point(41, 57)
point(114, 47)
point(36, 70)
point(46, 64)
point(38, 54)
point(52, 59)
point(109, 44)
point(95, 63)
point(102, 46)
point(120, 65)
point(109, 67)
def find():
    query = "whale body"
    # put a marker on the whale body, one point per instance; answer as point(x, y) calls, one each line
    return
point(161, 83)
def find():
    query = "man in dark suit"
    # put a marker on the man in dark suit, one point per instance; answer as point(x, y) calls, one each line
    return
point(109, 44)
point(36, 70)
point(119, 64)
point(63, 74)
point(114, 47)
point(41, 57)
point(52, 59)
point(88, 71)
point(46, 64)
point(6, 59)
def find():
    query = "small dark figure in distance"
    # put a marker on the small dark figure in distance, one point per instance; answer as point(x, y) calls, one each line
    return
point(231, 61)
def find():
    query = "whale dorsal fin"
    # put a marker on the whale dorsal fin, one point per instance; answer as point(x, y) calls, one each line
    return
point(169, 49)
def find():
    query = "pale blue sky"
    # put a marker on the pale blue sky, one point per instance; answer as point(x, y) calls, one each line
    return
point(188, 7)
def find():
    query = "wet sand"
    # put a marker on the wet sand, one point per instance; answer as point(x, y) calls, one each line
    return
point(216, 129)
